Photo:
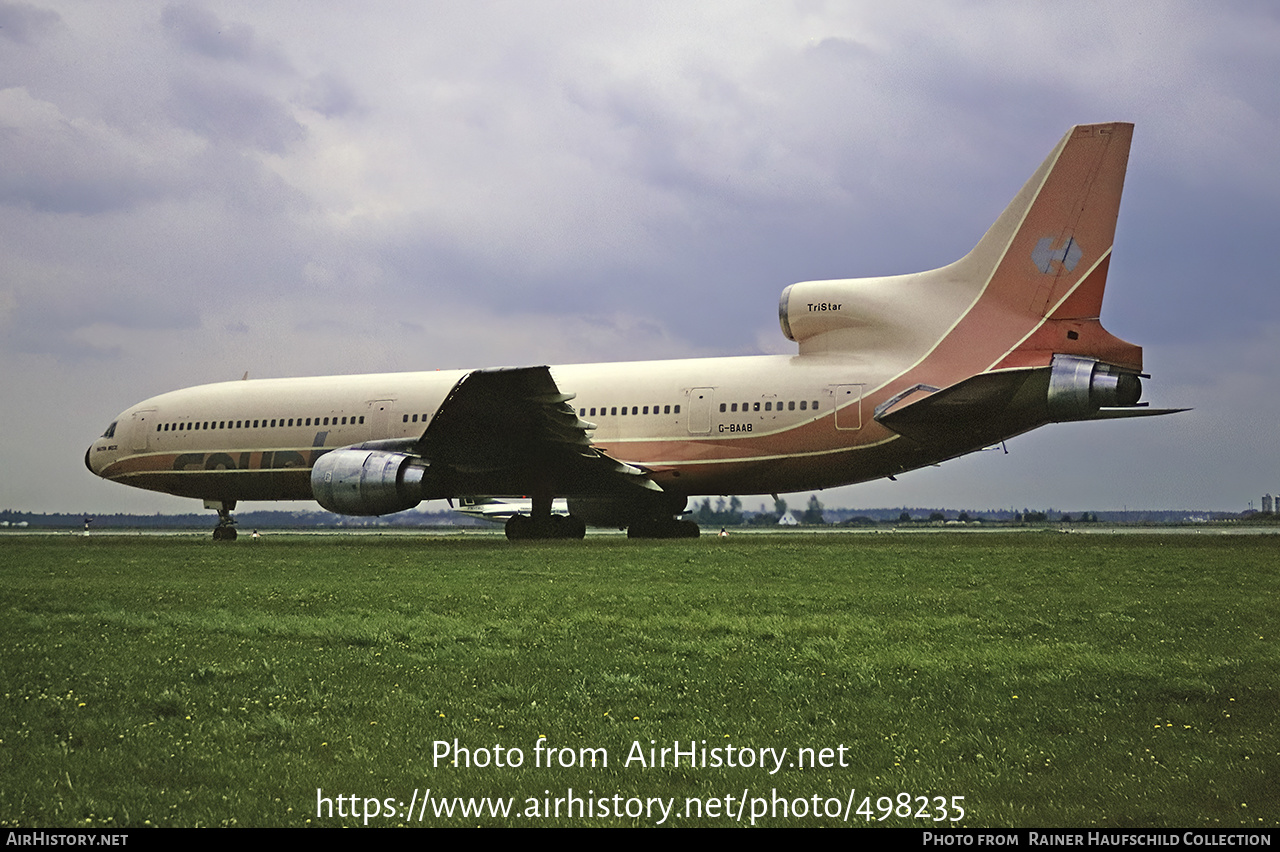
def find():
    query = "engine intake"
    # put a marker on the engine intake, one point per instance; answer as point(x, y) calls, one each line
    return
point(367, 482)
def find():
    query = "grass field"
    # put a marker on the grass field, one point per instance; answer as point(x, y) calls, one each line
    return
point(1050, 680)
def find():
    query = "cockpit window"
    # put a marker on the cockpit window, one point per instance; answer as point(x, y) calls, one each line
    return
point(111, 431)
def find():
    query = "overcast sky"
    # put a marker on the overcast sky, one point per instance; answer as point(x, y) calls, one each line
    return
point(193, 190)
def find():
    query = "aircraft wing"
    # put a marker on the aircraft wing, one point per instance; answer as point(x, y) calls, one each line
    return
point(501, 431)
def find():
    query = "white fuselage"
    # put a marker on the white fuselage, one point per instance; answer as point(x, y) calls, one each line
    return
point(701, 426)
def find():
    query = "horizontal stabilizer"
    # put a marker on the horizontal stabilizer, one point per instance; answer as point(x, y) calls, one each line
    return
point(990, 407)
point(1116, 413)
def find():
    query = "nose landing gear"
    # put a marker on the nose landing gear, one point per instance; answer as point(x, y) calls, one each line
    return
point(226, 528)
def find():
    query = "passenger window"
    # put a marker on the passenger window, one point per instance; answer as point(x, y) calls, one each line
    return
point(802, 405)
point(613, 411)
point(677, 411)
point(646, 409)
point(755, 406)
point(791, 406)
point(722, 407)
point(815, 405)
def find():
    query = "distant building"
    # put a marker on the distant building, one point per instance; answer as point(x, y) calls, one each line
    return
point(1268, 503)
point(788, 520)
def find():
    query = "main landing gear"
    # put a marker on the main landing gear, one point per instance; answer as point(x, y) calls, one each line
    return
point(541, 524)
point(226, 528)
point(526, 527)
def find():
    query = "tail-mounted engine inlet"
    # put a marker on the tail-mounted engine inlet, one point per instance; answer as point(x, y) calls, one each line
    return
point(1079, 387)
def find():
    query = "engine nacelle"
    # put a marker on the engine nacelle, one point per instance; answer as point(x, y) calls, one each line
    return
point(812, 308)
point(895, 317)
point(1078, 387)
point(367, 482)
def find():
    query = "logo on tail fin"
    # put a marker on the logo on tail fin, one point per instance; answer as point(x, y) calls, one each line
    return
point(1044, 254)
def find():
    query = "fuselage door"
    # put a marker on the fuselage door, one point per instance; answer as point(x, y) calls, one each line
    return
point(380, 418)
point(700, 410)
point(144, 423)
point(848, 404)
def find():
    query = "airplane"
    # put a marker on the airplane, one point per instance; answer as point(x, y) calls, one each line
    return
point(891, 374)
point(500, 509)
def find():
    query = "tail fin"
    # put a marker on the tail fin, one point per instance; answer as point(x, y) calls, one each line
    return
point(1030, 289)
point(1028, 348)
point(1057, 237)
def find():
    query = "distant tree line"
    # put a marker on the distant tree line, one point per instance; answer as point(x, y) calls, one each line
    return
point(729, 513)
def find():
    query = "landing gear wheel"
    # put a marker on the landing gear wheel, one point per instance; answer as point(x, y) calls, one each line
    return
point(226, 528)
point(519, 527)
point(571, 527)
point(523, 527)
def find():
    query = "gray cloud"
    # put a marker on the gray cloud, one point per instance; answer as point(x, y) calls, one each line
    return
point(200, 31)
point(23, 23)
point(60, 164)
point(231, 114)
point(330, 96)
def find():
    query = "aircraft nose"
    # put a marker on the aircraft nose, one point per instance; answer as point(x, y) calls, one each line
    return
point(90, 456)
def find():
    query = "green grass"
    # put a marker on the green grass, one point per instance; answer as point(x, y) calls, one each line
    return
point(1051, 680)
